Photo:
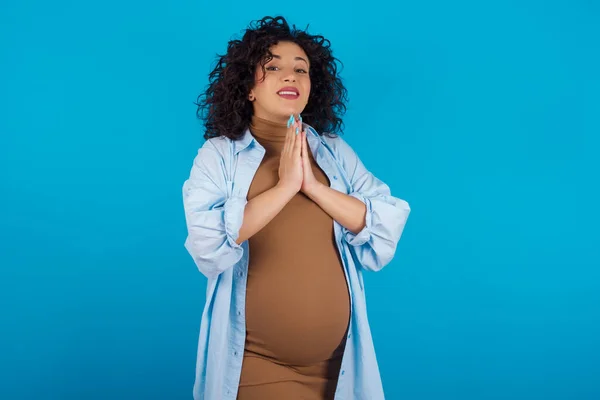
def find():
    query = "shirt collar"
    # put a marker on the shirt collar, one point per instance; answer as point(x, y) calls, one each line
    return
point(314, 139)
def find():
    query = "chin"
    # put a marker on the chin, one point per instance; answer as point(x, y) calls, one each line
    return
point(282, 111)
point(285, 113)
point(291, 110)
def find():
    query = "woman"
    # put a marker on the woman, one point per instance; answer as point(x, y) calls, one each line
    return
point(282, 220)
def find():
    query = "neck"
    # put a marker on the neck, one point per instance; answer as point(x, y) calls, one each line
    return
point(271, 135)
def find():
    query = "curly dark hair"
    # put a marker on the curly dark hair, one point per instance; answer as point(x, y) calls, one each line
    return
point(224, 106)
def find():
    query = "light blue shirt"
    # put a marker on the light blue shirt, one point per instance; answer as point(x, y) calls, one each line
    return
point(214, 198)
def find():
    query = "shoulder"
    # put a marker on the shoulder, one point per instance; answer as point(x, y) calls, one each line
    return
point(216, 147)
point(214, 150)
point(211, 158)
point(341, 149)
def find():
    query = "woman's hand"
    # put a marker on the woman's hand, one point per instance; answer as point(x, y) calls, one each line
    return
point(309, 182)
point(290, 163)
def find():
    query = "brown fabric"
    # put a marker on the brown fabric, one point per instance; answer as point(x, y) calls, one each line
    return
point(297, 301)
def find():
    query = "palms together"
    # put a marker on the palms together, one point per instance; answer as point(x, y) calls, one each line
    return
point(308, 177)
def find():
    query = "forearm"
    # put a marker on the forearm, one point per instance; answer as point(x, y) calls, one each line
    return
point(346, 210)
point(262, 209)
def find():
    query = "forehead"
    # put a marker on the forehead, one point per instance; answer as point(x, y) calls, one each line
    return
point(288, 50)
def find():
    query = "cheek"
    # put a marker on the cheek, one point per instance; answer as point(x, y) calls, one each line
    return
point(263, 85)
point(260, 89)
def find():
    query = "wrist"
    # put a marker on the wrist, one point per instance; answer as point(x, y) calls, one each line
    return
point(313, 190)
point(286, 190)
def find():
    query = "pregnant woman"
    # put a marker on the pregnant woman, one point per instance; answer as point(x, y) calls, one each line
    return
point(282, 219)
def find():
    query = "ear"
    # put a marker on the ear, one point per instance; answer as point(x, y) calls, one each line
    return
point(251, 96)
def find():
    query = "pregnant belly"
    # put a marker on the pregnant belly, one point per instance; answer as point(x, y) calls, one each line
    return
point(297, 314)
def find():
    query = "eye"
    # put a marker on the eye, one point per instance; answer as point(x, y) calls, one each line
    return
point(301, 70)
point(271, 68)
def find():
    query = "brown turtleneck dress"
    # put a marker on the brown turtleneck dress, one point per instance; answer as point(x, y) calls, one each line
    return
point(297, 301)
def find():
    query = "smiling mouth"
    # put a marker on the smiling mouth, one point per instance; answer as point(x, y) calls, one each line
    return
point(288, 94)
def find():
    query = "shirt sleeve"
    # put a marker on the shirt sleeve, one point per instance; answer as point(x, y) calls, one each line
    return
point(375, 245)
point(213, 218)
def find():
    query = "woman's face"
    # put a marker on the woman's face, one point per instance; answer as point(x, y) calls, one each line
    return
point(286, 84)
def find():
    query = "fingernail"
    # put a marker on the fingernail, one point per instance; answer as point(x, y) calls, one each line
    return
point(300, 118)
point(290, 121)
point(296, 131)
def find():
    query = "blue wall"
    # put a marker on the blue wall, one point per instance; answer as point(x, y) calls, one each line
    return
point(484, 116)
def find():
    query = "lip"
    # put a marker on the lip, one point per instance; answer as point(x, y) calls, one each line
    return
point(289, 89)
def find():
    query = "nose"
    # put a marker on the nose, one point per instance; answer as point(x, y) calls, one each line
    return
point(290, 77)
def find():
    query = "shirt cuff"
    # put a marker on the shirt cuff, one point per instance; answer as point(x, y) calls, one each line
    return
point(362, 237)
point(234, 216)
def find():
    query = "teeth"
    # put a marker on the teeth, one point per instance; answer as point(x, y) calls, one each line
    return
point(292, 93)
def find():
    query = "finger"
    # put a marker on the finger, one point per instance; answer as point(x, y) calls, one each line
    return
point(297, 128)
point(305, 148)
point(292, 138)
point(288, 140)
point(297, 144)
point(303, 151)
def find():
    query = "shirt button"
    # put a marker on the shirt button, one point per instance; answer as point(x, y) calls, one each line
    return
point(235, 353)
point(349, 335)
point(335, 177)
point(343, 372)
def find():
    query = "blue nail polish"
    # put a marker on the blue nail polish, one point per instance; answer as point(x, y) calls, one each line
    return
point(296, 131)
point(290, 121)
point(300, 118)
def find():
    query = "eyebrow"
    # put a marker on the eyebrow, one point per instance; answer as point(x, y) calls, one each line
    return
point(295, 58)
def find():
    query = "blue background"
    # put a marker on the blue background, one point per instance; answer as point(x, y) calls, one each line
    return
point(483, 115)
